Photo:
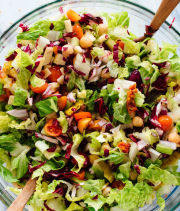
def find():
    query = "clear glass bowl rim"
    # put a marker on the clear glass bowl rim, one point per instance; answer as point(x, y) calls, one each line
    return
point(6, 200)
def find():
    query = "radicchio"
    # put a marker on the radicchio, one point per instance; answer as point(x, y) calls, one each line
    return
point(47, 207)
point(24, 27)
point(46, 138)
point(161, 82)
point(76, 71)
point(68, 151)
point(136, 77)
point(100, 106)
point(19, 113)
point(59, 190)
point(115, 53)
point(88, 18)
point(69, 34)
point(61, 174)
point(154, 118)
point(142, 113)
point(27, 49)
point(32, 169)
point(51, 26)
point(136, 167)
point(52, 149)
point(12, 56)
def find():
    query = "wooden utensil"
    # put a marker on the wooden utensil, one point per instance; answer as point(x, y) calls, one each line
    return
point(164, 10)
point(20, 202)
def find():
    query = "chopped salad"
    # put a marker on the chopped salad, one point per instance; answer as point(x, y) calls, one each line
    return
point(90, 113)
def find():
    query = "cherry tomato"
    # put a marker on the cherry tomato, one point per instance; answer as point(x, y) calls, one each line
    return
point(166, 122)
point(39, 89)
point(52, 128)
point(55, 73)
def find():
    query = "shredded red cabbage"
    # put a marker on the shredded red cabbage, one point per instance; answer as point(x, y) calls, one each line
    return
point(51, 26)
point(59, 190)
point(100, 106)
point(115, 53)
point(24, 27)
point(136, 167)
point(52, 149)
point(154, 118)
point(136, 77)
point(68, 151)
point(160, 65)
point(108, 127)
point(88, 18)
point(12, 56)
point(32, 169)
point(161, 82)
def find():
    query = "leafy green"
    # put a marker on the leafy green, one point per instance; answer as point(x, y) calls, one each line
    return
point(36, 82)
point(77, 139)
point(155, 174)
point(96, 51)
point(133, 61)
point(115, 157)
point(74, 207)
point(178, 126)
point(123, 171)
point(7, 141)
point(20, 163)
point(20, 125)
point(121, 113)
point(80, 83)
point(47, 106)
point(20, 97)
point(95, 146)
point(96, 204)
point(72, 81)
point(63, 122)
point(139, 99)
point(4, 122)
point(131, 47)
point(1, 89)
point(6, 174)
point(91, 101)
point(95, 186)
point(41, 28)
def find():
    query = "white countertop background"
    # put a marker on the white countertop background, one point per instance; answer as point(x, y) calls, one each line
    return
point(12, 10)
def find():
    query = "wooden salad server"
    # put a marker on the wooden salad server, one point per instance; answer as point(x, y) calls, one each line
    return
point(164, 10)
point(20, 202)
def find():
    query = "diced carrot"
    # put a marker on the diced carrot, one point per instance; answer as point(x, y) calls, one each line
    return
point(39, 89)
point(132, 87)
point(55, 73)
point(124, 146)
point(83, 124)
point(55, 49)
point(77, 29)
point(166, 122)
point(73, 16)
point(52, 129)
point(81, 175)
point(62, 101)
point(94, 125)
point(82, 115)
point(121, 44)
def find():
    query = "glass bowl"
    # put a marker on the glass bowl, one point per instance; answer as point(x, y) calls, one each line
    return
point(139, 17)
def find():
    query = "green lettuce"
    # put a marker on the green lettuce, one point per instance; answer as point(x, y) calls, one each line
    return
point(96, 51)
point(139, 99)
point(1, 89)
point(133, 61)
point(178, 126)
point(72, 81)
point(6, 174)
point(23, 78)
point(36, 82)
point(47, 106)
point(5, 120)
point(74, 207)
point(115, 157)
point(7, 141)
point(63, 122)
point(95, 146)
point(90, 102)
point(77, 139)
point(131, 47)
point(20, 97)
point(20, 125)
point(80, 83)
point(123, 171)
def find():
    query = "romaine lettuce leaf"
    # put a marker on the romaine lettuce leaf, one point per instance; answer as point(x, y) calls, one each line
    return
point(20, 97)
point(139, 99)
point(5, 120)
point(74, 207)
point(47, 106)
point(7, 141)
point(63, 122)
point(6, 174)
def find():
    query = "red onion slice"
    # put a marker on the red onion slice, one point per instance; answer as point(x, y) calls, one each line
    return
point(18, 113)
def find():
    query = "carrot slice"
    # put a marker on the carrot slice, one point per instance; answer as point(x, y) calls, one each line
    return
point(124, 146)
point(55, 73)
point(77, 29)
point(82, 115)
point(62, 101)
point(81, 175)
point(73, 16)
point(121, 44)
point(39, 89)
point(94, 125)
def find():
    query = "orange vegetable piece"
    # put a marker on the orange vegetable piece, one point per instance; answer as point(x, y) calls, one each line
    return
point(81, 175)
point(55, 49)
point(121, 44)
point(62, 101)
point(77, 29)
point(131, 106)
point(94, 125)
point(39, 89)
point(52, 129)
point(83, 124)
point(124, 146)
point(166, 122)
point(73, 16)
point(55, 73)
point(82, 115)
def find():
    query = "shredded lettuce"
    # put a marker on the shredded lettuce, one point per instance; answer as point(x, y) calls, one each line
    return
point(6, 174)
point(20, 97)
point(4, 122)
point(139, 99)
point(63, 122)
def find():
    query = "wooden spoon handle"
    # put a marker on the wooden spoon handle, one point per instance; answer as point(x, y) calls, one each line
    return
point(164, 10)
point(20, 202)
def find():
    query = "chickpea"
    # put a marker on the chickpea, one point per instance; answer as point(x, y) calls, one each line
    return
point(105, 74)
point(106, 191)
point(105, 146)
point(103, 28)
point(67, 50)
point(86, 42)
point(174, 137)
point(137, 121)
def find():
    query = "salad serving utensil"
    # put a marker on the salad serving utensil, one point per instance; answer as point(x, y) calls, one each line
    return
point(20, 202)
point(164, 10)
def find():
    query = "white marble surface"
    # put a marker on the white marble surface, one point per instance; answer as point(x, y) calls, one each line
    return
point(12, 10)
